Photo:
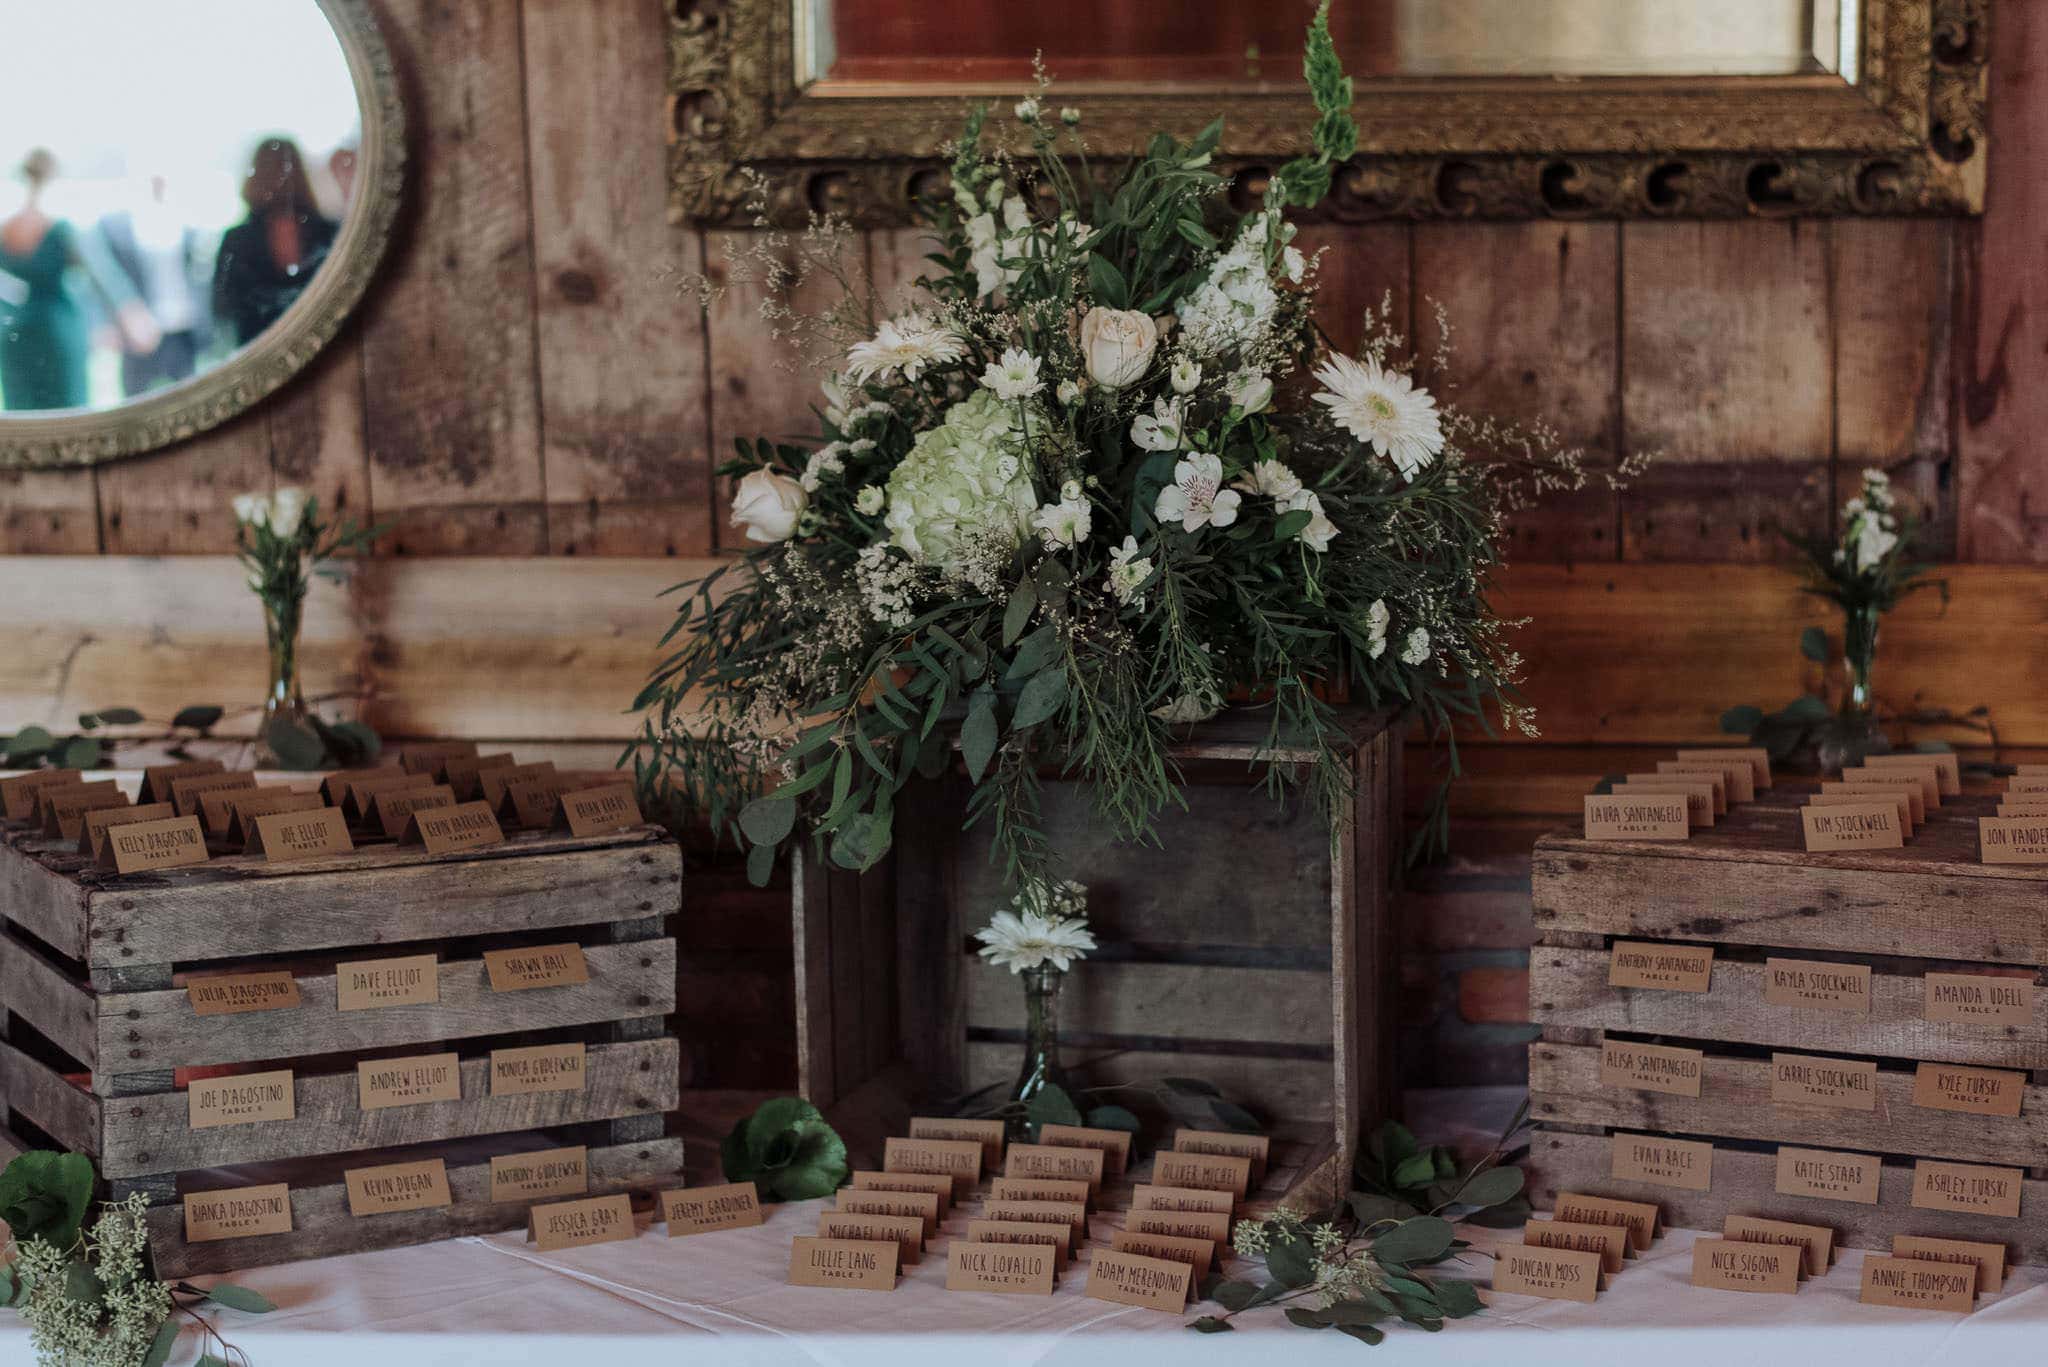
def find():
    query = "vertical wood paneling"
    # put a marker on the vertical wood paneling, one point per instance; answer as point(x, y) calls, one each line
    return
point(450, 416)
point(1362, 268)
point(2002, 405)
point(621, 350)
point(316, 431)
point(175, 502)
point(1727, 375)
point(48, 512)
point(1535, 334)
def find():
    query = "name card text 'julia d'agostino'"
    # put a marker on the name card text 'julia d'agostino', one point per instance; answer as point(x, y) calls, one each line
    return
point(1558, 1274)
point(1646, 816)
point(1852, 826)
point(518, 970)
point(1650, 1067)
point(1687, 1164)
point(2013, 839)
point(231, 994)
point(363, 984)
point(706, 1210)
point(845, 1264)
point(1667, 968)
point(237, 1213)
point(1824, 986)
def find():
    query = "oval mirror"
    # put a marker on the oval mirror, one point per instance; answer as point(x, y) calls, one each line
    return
point(194, 197)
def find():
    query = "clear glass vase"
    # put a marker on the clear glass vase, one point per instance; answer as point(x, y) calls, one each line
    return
point(1041, 1065)
point(1854, 734)
point(282, 700)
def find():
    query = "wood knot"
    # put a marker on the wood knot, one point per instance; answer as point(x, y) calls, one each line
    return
point(576, 287)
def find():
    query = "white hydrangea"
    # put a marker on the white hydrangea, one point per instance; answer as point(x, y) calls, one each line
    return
point(1234, 306)
point(968, 480)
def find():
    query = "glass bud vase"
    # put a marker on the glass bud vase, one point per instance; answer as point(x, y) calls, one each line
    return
point(1041, 1066)
point(1853, 734)
point(282, 700)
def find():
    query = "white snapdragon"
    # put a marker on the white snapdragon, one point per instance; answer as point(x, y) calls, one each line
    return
point(1160, 430)
point(1417, 650)
point(1185, 374)
point(1197, 498)
point(1128, 572)
point(1013, 377)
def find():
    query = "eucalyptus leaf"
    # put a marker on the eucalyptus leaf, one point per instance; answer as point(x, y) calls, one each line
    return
point(1806, 707)
point(1306, 1319)
point(1209, 1324)
point(1741, 720)
point(1458, 1299)
point(1813, 644)
point(1234, 1295)
point(978, 735)
point(1371, 1209)
point(1114, 1118)
point(1424, 1237)
point(160, 1346)
point(1052, 1106)
point(1042, 698)
point(768, 820)
point(355, 743)
point(1017, 613)
point(1416, 1170)
point(29, 740)
point(1190, 1086)
point(81, 752)
point(198, 717)
point(1034, 653)
point(1292, 1262)
point(119, 716)
point(760, 864)
point(1234, 1117)
point(239, 1298)
point(1493, 1186)
point(295, 746)
point(1364, 1333)
point(1511, 1214)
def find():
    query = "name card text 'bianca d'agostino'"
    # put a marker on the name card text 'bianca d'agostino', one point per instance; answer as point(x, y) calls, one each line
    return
point(237, 1213)
point(845, 1264)
point(1661, 968)
point(231, 994)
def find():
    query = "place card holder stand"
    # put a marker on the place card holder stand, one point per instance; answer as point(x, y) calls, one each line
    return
point(1816, 956)
point(94, 974)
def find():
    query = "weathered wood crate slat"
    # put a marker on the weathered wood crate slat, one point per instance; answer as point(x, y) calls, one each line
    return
point(1749, 889)
point(1252, 947)
point(99, 1026)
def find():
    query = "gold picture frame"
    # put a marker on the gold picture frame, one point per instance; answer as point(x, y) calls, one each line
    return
point(162, 417)
point(752, 136)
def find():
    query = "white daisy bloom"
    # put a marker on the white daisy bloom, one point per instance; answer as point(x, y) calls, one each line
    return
point(1384, 409)
point(904, 346)
point(1417, 649)
point(1063, 524)
point(1196, 497)
point(1185, 375)
point(1013, 377)
point(1023, 939)
point(1026, 111)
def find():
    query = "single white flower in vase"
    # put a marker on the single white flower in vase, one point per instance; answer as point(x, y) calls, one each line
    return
point(1042, 934)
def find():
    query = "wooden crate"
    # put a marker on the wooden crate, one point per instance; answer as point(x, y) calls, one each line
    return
point(100, 1034)
point(1748, 888)
point(1249, 948)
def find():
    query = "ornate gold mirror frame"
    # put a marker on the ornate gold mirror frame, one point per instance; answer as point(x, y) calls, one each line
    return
point(172, 414)
point(1907, 138)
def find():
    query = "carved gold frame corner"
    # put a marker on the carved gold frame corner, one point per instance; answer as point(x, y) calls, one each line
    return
point(752, 139)
point(75, 437)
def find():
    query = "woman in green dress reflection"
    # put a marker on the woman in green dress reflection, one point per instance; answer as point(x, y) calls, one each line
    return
point(44, 333)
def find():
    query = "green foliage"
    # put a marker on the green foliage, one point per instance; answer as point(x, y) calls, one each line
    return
point(36, 747)
point(44, 1195)
point(787, 1150)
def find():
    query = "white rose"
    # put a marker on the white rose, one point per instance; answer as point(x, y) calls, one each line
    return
point(1118, 344)
point(768, 505)
point(252, 509)
point(287, 506)
point(1068, 393)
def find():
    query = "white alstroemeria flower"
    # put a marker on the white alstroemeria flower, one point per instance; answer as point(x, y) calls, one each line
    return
point(1316, 535)
point(1251, 392)
point(252, 510)
point(1873, 543)
point(869, 500)
point(1018, 940)
point(1270, 479)
point(1377, 619)
point(1063, 524)
point(837, 395)
point(1384, 409)
point(824, 461)
point(1013, 377)
point(1128, 571)
point(1159, 430)
point(904, 346)
point(1069, 393)
point(1417, 649)
point(1185, 375)
point(1196, 497)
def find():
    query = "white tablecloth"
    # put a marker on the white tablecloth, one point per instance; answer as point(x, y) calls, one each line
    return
point(719, 1298)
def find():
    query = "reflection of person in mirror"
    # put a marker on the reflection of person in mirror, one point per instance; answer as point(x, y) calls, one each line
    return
point(266, 260)
point(341, 165)
point(165, 261)
point(44, 335)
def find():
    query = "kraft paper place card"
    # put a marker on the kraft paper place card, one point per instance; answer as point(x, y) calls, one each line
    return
point(1917, 1284)
point(1814, 983)
point(906, 1230)
point(1181, 1224)
point(1039, 1189)
point(1558, 1274)
point(1154, 1197)
point(429, 757)
point(64, 809)
point(360, 797)
point(1988, 1259)
point(2012, 839)
point(1609, 1241)
point(1640, 1218)
point(1711, 773)
point(448, 830)
point(1948, 770)
point(1737, 776)
point(245, 808)
point(1655, 816)
point(923, 1204)
point(1897, 789)
point(241, 1099)
point(1115, 1144)
point(538, 1068)
point(464, 773)
point(597, 811)
point(1923, 779)
point(987, 1133)
point(491, 782)
point(543, 1175)
point(1838, 1083)
point(1815, 1242)
point(1050, 1160)
point(529, 803)
point(2031, 805)
point(578, 1224)
point(1198, 1254)
point(156, 778)
point(1663, 968)
point(1687, 1164)
point(1072, 1214)
point(363, 984)
point(1759, 760)
point(1728, 1266)
point(21, 796)
point(1852, 826)
point(1009, 1269)
point(706, 1210)
point(392, 1187)
point(145, 846)
point(1060, 1238)
point(1699, 797)
point(1650, 1067)
point(1973, 1091)
point(848, 1264)
point(932, 1184)
point(284, 837)
point(92, 831)
point(521, 970)
point(231, 994)
point(1257, 1147)
point(335, 786)
point(2022, 784)
point(382, 1083)
point(1980, 999)
point(1210, 1171)
point(390, 809)
point(237, 1213)
point(1133, 1279)
point(1828, 1176)
point(217, 809)
point(188, 790)
point(1905, 799)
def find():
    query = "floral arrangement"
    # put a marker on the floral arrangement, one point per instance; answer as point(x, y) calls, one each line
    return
point(1044, 927)
point(1103, 475)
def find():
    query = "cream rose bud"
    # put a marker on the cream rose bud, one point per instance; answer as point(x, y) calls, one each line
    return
point(1251, 392)
point(768, 506)
point(1186, 374)
point(1118, 345)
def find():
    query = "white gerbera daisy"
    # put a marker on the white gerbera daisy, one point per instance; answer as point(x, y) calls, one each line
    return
point(1023, 939)
point(1384, 409)
point(904, 345)
point(1013, 377)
